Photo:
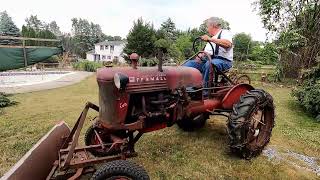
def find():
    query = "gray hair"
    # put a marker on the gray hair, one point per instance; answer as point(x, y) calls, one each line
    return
point(214, 21)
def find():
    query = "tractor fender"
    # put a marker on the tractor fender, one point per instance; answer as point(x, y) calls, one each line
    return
point(233, 95)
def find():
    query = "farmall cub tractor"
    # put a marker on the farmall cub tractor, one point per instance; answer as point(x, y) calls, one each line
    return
point(137, 100)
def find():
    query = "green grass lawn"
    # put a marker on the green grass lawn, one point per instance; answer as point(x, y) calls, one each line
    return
point(168, 153)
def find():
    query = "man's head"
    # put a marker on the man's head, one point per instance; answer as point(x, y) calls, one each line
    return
point(213, 25)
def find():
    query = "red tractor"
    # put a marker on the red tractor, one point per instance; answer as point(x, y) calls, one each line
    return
point(136, 100)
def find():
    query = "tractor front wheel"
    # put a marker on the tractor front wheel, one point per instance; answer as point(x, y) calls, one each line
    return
point(120, 169)
point(92, 139)
point(250, 123)
point(193, 123)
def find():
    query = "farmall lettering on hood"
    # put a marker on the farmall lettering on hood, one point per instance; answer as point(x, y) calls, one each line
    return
point(149, 78)
point(159, 77)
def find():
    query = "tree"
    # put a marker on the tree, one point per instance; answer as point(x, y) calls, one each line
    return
point(168, 30)
point(184, 45)
point(85, 35)
point(54, 28)
point(35, 28)
point(295, 24)
point(225, 24)
point(242, 46)
point(169, 50)
point(141, 39)
point(68, 43)
point(34, 23)
point(29, 32)
point(264, 53)
point(8, 28)
point(113, 38)
point(96, 33)
point(117, 38)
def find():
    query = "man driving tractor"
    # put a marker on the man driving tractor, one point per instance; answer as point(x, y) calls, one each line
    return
point(222, 57)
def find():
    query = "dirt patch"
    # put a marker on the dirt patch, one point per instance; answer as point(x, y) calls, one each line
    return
point(295, 159)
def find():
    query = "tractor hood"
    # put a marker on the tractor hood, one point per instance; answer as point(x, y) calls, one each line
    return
point(146, 79)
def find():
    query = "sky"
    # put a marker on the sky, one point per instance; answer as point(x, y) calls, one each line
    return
point(116, 17)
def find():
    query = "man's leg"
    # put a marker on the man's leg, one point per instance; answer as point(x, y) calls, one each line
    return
point(194, 64)
point(220, 64)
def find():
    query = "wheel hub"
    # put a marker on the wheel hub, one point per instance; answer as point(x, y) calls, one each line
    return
point(257, 121)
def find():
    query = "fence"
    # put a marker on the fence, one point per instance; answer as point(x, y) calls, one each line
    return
point(18, 56)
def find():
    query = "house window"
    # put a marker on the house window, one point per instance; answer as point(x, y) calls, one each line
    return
point(109, 57)
point(101, 47)
point(111, 48)
point(103, 57)
point(107, 47)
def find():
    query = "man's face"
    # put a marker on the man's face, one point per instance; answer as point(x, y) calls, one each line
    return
point(212, 30)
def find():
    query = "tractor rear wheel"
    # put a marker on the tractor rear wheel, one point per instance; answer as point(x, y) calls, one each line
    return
point(120, 169)
point(92, 139)
point(193, 123)
point(250, 123)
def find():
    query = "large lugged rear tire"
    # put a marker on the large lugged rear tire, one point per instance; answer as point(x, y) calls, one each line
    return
point(250, 123)
point(193, 123)
point(120, 169)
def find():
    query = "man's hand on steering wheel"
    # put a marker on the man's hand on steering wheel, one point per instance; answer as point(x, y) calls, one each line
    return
point(205, 38)
point(202, 56)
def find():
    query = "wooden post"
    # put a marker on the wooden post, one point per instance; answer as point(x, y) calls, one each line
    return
point(24, 53)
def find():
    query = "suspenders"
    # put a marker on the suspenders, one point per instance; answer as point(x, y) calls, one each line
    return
point(216, 50)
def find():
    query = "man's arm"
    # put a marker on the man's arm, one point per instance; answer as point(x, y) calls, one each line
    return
point(221, 42)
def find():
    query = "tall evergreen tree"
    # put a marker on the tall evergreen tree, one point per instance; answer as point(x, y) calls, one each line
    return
point(141, 39)
point(8, 28)
point(168, 30)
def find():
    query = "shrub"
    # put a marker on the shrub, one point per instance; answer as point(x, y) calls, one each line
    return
point(5, 101)
point(308, 94)
point(87, 66)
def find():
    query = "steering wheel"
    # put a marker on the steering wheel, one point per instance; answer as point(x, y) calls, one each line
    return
point(198, 39)
point(197, 52)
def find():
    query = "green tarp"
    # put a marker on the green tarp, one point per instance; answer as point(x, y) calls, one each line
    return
point(13, 58)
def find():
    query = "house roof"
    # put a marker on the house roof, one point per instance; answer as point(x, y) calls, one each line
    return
point(114, 43)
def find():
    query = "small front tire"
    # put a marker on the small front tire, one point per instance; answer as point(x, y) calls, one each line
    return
point(120, 169)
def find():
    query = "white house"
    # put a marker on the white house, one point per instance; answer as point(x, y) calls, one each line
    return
point(107, 51)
